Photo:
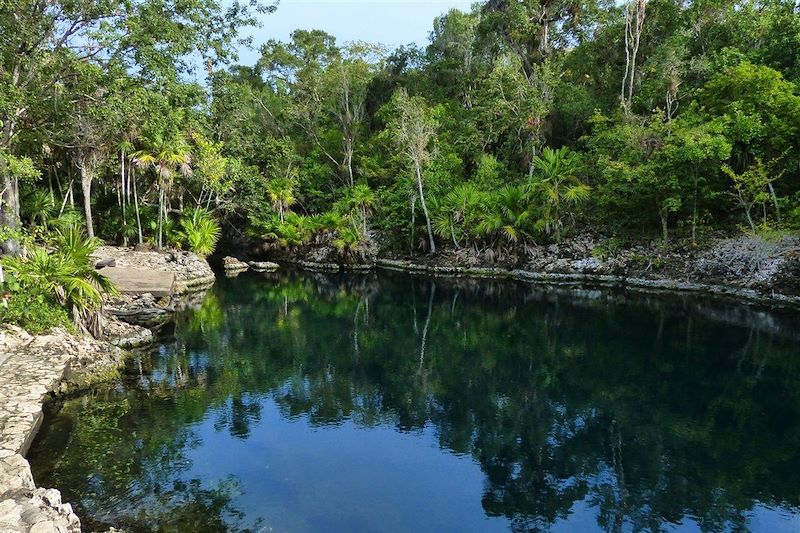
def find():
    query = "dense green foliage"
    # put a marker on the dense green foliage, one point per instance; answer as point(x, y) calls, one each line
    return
point(33, 311)
point(520, 122)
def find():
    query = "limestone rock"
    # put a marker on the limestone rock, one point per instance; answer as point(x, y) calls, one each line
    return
point(263, 266)
point(30, 367)
point(186, 265)
point(232, 264)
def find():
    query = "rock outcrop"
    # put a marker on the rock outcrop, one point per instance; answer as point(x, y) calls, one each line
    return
point(191, 272)
point(144, 310)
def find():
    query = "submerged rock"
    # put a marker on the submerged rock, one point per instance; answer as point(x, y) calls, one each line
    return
point(124, 334)
point(142, 310)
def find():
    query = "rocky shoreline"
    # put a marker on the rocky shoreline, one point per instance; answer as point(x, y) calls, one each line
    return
point(745, 268)
point(595, 280)
point(35, 368)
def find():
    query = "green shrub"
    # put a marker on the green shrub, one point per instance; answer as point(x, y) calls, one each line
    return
point(38, 207)
point(607, 248)
point(199, 231)
point(33, 311)
point(65, 275)
point(70, 218)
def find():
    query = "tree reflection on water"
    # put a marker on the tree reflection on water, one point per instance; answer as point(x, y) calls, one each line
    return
point(649, 410)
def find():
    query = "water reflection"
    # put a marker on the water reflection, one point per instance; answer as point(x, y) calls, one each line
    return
point(580, 409)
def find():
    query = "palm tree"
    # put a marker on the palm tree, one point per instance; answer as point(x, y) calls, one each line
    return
point(167, 156)
point(125, 175)
point(559, 187)
point(281, 195)
point(510, 216)
point(458, 212)
point(360, 198)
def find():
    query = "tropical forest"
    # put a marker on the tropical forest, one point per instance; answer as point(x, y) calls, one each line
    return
point(576, 152)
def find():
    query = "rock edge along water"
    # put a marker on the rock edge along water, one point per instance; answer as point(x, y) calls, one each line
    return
point(743, 267)
point(33, 367)
point(604, 280)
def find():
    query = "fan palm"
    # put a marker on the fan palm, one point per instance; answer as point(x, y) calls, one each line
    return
point(40, 207)
point(200, 231)
point(510, 216)
point(458, 212)
point(281, 195)
point(559, 187)
point(360, 199)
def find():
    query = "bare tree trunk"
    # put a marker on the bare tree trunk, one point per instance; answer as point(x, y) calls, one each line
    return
point(9, 193)
point(750, 218)
point(136, 207)
point(348, 159)
point(160, 216)
point(9, 202)
point(52, 190)
point(634, 23)
point(694, 222)
point(425, 210)
point(363, 221)
point(86, 188)
point(413, 220)
point(122, 203)
point(775, 201)
point(694, 212)
point(66, 197)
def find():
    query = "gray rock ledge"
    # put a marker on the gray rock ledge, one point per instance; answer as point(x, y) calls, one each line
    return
point(601, 280)
point(30, 368)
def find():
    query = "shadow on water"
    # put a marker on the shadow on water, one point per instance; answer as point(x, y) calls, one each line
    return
point(297, 401)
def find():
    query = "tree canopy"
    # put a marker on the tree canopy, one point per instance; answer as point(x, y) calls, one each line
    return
point(521, 122)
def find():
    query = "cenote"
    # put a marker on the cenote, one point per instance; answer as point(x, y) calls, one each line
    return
point(391, 402)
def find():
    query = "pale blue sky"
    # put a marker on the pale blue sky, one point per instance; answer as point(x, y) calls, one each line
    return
point(389, 22)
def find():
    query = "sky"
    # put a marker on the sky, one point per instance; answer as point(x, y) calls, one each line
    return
point(388, 22)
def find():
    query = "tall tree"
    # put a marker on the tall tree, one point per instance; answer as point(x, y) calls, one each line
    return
point(44, 40)
point(347, 81)
point(414, 130)
point(634, 25)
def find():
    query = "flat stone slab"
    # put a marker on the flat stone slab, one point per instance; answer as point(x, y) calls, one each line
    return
point(139, 281)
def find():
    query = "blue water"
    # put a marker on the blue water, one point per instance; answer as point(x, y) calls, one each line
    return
point(298, 402)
